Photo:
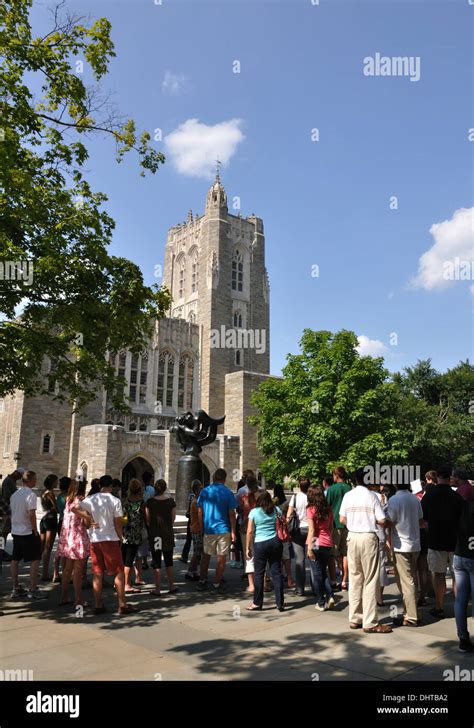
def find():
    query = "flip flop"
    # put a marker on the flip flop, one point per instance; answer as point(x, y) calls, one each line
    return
point(253, 608)
point(379, 629)
point(132, 590)
point(128, 609)
point(140, 583)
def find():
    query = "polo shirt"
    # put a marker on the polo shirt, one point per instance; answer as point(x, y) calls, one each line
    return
point(442, 508)
point(362, 510)
point(466, 532)
point(334, 495)
point(405, 511)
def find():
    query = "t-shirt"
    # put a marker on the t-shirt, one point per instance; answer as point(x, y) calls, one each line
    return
point(104, 508)
point(362, 510)
point(216, 500)
point(299, 501)
point(21, 503)
point(322, 529)
point(405, 510)
point(466, 491)
point(148, 492)
point(442, 508)
point(9, 487)
point(334, 494)
point(265, 523)
point(466, 532)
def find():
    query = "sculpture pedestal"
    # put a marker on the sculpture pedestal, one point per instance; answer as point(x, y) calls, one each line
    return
point(189, 469)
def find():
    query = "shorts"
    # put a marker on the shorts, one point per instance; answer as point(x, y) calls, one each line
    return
point(129, 553)
point(197, 545)
point(339, 540)
point(156, 558)
point(26, 548)
point(217, 544)
point(438, 561)
point(106, 556)
point(49, 522)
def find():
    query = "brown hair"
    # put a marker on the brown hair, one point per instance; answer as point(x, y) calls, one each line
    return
point(264, 501)
point(339, 472)
point(317, 499)
point(134, 482)
point(77, 489)
point(432, 475)
point(160, 486)
point(304, 483)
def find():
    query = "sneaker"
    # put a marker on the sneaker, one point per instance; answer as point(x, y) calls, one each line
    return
point(202, 586)
point(320, 608)
point(19, 593)
point(466, 645)
point(330, 603)
point(36, 594)
point(220, 588)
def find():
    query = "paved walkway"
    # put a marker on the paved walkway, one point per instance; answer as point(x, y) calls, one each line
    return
point(204, 636)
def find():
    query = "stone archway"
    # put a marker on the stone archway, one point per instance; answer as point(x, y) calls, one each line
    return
point(135, 468)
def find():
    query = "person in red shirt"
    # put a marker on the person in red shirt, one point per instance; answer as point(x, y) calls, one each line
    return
point(320, 528)
point(459, 480)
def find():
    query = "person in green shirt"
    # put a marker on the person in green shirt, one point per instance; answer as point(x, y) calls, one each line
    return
point(334, 494)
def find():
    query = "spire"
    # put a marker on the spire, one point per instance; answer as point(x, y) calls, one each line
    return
point(216, 195)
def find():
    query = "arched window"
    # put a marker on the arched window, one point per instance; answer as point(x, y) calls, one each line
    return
point(237, 271)
point(165, 379)
point(237, 320)
point(185, 382)
point(194, 271)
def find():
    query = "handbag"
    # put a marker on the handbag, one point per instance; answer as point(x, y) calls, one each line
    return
point(294, 522)
point(282, 528)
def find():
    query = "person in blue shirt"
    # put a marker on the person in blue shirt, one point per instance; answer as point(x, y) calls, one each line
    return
point(216, 508)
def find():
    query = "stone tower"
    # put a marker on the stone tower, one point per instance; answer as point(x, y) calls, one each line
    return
point(215, 270)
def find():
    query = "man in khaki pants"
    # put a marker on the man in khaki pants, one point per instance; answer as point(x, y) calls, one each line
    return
point(361, 512)
point(405, 513)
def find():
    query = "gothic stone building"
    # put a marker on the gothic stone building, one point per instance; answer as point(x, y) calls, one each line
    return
point(210, 353)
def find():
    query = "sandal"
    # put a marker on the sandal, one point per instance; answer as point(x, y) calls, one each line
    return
point(253, 608)
point(132, 590)
point(140, 583)
point(128, 609)
point(378, 629)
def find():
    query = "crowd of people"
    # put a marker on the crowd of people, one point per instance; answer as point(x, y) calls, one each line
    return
point(347, 535)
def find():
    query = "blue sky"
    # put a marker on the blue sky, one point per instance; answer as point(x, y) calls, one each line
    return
point(324, 203)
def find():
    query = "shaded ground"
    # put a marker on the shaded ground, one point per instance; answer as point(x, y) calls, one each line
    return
point(200, 636)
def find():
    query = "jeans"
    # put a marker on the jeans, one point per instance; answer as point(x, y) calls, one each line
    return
point(269, 551)
point(299, 546)
point(321, 580)
point(464, 576)
point(187, 543)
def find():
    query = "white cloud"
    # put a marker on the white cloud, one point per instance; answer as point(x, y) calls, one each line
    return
point(471, 288)
point(448, 258)
point(173, 83)
point(194, 147)
point(370, 347)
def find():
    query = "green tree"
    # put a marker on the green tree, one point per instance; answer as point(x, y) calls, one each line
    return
point(83, 301)
point(332, 406)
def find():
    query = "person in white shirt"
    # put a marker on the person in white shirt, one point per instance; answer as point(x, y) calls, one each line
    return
point(299, 503)
point(105, 536)
point(26, 539)
point(405, 514)
point(361, 512)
